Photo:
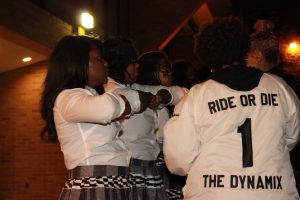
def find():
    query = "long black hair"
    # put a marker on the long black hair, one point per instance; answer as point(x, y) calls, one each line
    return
point(68, 68)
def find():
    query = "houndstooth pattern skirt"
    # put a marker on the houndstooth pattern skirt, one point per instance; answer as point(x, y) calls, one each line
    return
point(147, 179)
point(173, 183)
point(101, 182)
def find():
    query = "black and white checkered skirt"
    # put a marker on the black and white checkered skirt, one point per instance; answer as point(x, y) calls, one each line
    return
point(147, 179)
point(99, 182)
point(173, 183)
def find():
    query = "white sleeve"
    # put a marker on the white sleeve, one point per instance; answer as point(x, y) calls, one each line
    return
point(162, 118)
point(292, 112)
point(181, 143)
point(177, 93)
point(131, 95)
point(178, 106)
point(293, 120)
point(148, 88)
point(79, 105)
point(153, 89)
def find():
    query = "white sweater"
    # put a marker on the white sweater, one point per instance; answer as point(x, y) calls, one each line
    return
point(84, 128)
point(219, 131)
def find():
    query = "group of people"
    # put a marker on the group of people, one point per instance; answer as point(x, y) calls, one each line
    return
point(128, 124)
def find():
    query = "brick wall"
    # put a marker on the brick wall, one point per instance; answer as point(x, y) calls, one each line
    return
point(29, 169)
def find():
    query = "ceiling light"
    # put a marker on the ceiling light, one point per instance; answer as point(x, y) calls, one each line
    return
point(27, 59)
point(87, 20)
point(293, 45)
point(293, 48)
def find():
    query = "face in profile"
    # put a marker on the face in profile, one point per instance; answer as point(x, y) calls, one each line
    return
point(165, 78)
point(164, 75)
point(97, 73)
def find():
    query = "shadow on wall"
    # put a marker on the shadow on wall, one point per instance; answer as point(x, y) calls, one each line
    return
point(29, 169)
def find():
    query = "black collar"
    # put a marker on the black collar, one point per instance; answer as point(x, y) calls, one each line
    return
point(238, 77)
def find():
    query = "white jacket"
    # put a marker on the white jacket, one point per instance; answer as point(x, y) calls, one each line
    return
point(234, 145)
point(85, 130)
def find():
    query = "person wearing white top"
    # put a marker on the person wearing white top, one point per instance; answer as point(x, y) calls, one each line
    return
point(265, 55)
point(233, 133)
point(138, 131)
point(83, 121)
point(155, 69)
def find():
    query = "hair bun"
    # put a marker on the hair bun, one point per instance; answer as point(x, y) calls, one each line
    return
point(264, 25)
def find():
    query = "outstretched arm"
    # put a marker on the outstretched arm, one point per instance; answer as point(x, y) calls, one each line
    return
point(181, 141)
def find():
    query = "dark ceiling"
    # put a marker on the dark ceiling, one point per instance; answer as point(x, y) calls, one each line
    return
point(285, 13)
point(67, 10)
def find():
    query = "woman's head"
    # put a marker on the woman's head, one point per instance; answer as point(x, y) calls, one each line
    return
point(122, 60)
point(183, 74)
point(264, 51)
point(223, 42)
point(155, 69)
point(74, 63)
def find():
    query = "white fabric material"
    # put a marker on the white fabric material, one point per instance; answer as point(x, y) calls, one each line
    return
point(204, 142)
point(139, 135)
point(131, 95)
point(162, 118)
point(84, 128)
point(177, 93)
point(139, 131)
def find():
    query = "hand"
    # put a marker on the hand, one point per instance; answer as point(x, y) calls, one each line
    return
point(127, 110)
point(145, 99)
point(162, 97)
point(155, 102)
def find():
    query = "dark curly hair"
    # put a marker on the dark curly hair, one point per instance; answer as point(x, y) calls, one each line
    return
point(222, 42)
point(119, 52)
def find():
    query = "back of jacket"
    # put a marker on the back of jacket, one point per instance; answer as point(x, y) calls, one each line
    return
point(235, 144)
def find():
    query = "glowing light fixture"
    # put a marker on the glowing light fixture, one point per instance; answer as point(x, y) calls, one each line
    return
point(293, 45)
point(293, 48)
point(87, 20)
point(26, 59)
